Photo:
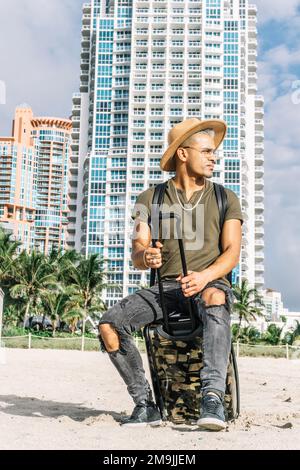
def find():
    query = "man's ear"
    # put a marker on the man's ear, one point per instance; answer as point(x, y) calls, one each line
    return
point(180, 152)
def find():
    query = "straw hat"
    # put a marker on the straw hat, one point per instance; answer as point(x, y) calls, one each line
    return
point(179, 133)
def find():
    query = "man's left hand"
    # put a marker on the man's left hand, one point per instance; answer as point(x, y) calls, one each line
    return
point(194, 282)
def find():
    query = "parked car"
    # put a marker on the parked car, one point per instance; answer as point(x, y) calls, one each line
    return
point(39, 323)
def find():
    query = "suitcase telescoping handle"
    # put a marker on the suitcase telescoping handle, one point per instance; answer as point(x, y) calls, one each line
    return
point(172, 215)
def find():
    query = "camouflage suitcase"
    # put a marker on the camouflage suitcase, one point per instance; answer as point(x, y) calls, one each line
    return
point(175, 370)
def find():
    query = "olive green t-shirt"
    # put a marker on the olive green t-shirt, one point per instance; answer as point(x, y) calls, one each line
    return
point(200, 226)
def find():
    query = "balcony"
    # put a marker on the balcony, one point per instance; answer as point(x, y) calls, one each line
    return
point(215, 40)
point(74, 169)
point(75, 119)
point(259, 268)
point(259, 160)
point(126, 47)
point(252, 54)
point(71, 227)
point(76, 107)
point(259, 172)
point(85, 52)
point(252, 88)
point(252, 77)
point(252, 32)
point(213, 27)
point(72, 204)
point(259, 99)
point(211, 74)
point(259, 219)
point(85, 30)
point(86, 8)
point(259, 147)
point(259, 230)
point(76, 97)
point(252, 40)
point(213, 98)
point(259, 124)
point(85, 41)
point(259, 281)
point(259, 206)
point(86, 19)
point(159, 46)
point(259, 112)
point(252, 9)
point(259, 195)
point(252, 66)
point(84, 64)
point(84, 76)
point(75, 133)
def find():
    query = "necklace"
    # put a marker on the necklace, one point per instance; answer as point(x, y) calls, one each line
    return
point(190, 208)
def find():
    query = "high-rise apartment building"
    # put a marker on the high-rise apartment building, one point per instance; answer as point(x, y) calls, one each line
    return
point(145, 66)
point(34, 165)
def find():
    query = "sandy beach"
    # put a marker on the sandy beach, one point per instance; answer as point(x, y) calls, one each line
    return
point(72, 400)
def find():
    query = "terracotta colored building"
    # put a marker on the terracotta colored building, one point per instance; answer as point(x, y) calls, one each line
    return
point(34, 168)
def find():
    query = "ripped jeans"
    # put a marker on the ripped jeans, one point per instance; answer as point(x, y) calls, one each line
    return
point(143, 307)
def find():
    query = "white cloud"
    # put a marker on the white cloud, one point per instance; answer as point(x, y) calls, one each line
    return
point(282, 57)
point(280, 155)
point(282, 228)
point(276, 72)
point(267, 81)
point(275, 80)
point(282, 195)
point(276, 10)
point(283, 122)
point(40, 56)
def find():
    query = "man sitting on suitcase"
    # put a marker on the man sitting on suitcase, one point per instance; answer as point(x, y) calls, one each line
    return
point(192, 154)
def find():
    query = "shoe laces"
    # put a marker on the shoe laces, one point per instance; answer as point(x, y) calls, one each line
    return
point(211, 403)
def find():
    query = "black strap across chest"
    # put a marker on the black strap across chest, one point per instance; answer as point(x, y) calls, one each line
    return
point(157, 201)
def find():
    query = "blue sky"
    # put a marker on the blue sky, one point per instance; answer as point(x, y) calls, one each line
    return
point(40, 54)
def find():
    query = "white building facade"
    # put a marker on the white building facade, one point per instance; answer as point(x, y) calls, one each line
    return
point(147, 65)
point(273, 309)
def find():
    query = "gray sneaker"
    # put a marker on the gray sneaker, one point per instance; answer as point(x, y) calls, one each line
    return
point(212, 413)
point(144, 414)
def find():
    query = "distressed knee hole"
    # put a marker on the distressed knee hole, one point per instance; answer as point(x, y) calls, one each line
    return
point(110, 337)
point(213, 297)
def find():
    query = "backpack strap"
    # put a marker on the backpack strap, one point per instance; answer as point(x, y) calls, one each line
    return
point(222, 202)
point(154, 223)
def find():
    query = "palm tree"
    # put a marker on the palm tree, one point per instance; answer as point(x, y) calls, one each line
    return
point(12, 315)
point(61, 261)
point(33, 276)
point(296, 332)
point(87, 280)
point(247, 305)
point(250, 335)
point(54, 303)
point(8, 250)
point(8, 253)
point(8, 246)
point(73, 311)
point(235, 331)
point(291, 336)
point(273, 334)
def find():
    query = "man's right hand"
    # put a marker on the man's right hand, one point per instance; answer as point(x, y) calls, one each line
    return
point(153, 256)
